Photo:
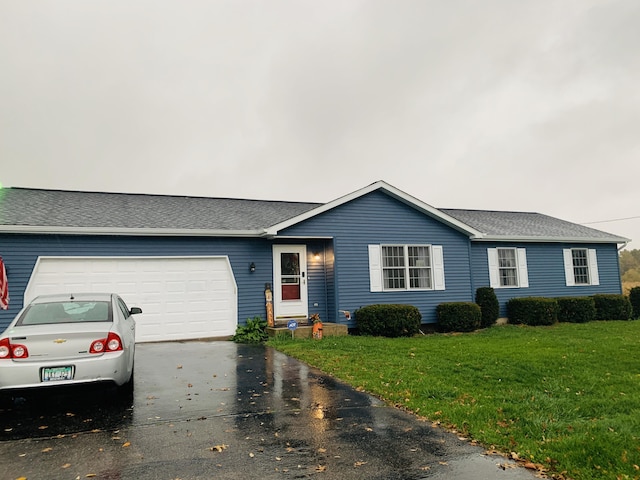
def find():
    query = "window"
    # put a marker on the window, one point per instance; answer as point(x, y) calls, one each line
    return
point(508, 268)
point(393, 267)
point(581, 267)
point(406, 267)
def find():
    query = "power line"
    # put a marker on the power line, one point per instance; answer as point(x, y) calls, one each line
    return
point(612, 220)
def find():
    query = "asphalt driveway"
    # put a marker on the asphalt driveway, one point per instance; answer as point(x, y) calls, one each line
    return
point(204, 410)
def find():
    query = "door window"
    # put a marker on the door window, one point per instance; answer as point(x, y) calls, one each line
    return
point(290, 275)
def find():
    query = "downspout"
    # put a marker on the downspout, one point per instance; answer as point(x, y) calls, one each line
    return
point(471, 274)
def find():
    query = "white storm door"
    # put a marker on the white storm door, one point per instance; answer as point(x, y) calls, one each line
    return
point(290, 281)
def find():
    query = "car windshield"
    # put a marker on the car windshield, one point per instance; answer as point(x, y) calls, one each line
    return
point(65, 312)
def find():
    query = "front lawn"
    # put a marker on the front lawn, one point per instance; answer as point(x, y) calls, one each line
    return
point(566, 397)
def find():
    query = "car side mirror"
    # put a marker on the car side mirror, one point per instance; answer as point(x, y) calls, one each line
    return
point(135, 310)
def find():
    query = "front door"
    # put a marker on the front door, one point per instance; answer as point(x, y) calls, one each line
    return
point(290, 282)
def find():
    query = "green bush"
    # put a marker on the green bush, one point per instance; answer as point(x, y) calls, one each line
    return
point(634, 299)
point(576, 309)
point(611, 306)
point(533, 310)
point(459, 317)
point(388, 320)
point(255, 331)
point(489, 306)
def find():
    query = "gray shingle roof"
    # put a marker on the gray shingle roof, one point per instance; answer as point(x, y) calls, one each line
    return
point(58, 208)
point(61, 210)
point(525, 224)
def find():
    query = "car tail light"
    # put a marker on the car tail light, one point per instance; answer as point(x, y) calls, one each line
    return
point(9, 350)
point(112, 343)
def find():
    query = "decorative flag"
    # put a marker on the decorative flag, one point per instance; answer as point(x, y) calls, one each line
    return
point(4, 287)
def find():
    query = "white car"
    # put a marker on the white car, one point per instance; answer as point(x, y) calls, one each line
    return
point(67, 340)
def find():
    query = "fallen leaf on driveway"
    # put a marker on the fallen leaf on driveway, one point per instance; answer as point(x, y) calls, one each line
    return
point(48, 449)
point(218, 448)
point(43, 427)
point(126, 444)
point(321, 468)
point(359, 464)
point(251, 454)
point(66, 465)
point(179, 367)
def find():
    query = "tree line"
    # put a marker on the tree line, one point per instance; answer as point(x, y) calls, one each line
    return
point(630, 265)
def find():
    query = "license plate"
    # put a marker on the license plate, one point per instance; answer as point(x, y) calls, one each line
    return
point(54, 374)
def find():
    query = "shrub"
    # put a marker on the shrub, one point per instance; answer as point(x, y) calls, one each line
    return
point(533, 310)
point(255, 331)
point(459, 317)
point(489, 306)
point(611, 306)
point(634, 299)
point(388, 320)
point(576, 309)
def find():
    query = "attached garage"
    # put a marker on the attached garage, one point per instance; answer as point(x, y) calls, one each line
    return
point(181, 297)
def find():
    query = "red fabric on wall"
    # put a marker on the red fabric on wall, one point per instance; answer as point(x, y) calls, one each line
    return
point(4, 287)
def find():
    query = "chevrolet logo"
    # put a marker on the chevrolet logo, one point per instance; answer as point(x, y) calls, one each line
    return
point(59, 340)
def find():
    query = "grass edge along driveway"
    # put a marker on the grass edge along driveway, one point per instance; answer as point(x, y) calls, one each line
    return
point(566, 397)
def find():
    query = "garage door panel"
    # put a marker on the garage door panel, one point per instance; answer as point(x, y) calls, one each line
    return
point(181, 297)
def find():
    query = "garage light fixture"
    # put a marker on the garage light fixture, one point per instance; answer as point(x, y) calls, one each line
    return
point(252, 267)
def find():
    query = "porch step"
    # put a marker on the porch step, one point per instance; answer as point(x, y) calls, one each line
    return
point(305, 331)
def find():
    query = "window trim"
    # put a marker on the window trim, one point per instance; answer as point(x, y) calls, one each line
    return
point(522, 272)
point(592, 267)
point(376, 268)
point(406, 267)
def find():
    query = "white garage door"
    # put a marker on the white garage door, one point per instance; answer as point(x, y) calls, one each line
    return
point(181, 297)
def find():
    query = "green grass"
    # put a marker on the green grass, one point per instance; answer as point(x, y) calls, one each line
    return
point(566, 397)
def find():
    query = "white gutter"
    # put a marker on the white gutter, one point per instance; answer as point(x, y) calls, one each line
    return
point(509, 238)
point(135, 232)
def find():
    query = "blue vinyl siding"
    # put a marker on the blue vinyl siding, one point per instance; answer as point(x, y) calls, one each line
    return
point(20, 253)
point(546, 271)
point(377, 218)
point(339, 280)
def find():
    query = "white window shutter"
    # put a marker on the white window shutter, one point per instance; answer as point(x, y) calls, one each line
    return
point(438, 267)
point(375, 269)
point(594, 277)
point(494, 276)
point(523, 272)
point(568, 267)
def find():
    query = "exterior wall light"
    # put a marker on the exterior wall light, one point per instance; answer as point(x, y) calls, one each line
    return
point(252, 267)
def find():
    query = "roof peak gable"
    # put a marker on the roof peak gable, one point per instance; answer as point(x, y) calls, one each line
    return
point(388, 189)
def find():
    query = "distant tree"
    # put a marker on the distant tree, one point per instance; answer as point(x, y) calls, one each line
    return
point(629, 260)
point(632, 276)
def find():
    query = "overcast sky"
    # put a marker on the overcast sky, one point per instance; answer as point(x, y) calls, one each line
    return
point(494, 104)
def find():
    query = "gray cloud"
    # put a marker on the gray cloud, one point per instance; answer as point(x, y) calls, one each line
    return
point(495, 104)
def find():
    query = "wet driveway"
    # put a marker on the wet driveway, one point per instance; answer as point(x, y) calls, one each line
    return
point(205, 410)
